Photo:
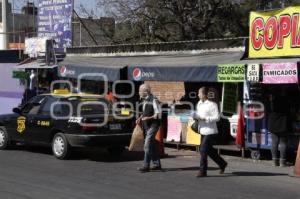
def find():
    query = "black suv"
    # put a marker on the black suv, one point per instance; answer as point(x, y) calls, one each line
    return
point(65, 121)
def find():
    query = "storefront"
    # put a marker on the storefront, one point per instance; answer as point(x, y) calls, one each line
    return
point(96, 75)
point(195, 71)
point(278, 75)
point(35, 78)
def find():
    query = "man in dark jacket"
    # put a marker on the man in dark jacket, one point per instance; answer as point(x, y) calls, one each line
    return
point(150, 121)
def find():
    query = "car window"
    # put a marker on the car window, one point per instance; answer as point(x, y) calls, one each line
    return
point(90, 106)
point(46, 107)
point(33, 106)
point(62, 109)
point(93, 109)
point(37, 99)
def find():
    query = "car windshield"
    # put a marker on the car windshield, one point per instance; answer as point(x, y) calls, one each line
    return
point(36, 100)
point(33, 102)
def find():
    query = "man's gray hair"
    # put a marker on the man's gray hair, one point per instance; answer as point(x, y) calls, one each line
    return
point(146, 87)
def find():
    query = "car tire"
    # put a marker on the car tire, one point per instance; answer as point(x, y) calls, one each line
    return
point(60, 147)
point(4, 139)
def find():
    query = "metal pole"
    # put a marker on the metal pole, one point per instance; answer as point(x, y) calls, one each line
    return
point(72, 25)
point(13, 21)
point(4, 23)
point(282, 3)
point(79, 34)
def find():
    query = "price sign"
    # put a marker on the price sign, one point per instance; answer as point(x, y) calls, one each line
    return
point(253, 73)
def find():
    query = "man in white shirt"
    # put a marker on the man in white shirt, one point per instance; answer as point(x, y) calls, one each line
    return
point(207, 115)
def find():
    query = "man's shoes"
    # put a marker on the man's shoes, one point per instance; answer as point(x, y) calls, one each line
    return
point(222, 169)
point(276, 162)
point(201, 174)
point(143, 169)
point(282, 163)
point(156, 168)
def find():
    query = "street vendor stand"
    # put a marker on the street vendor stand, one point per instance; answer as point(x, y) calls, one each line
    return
point(195, 71)
point(36, 78)
point(272, 65)
point(259, 89)
point(92, 73)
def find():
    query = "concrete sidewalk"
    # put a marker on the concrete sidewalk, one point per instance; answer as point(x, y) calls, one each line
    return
point(234, 163)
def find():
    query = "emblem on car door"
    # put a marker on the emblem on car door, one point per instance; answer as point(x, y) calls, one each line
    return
point(21, 126)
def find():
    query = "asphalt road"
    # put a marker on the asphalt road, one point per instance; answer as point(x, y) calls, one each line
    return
point(32, 172)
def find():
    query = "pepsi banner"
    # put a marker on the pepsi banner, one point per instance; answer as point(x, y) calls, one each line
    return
point(55, 21)
point(168, 73)
point(75, 71)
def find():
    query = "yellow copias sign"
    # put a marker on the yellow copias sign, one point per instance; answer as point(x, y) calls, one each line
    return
point(275, 33)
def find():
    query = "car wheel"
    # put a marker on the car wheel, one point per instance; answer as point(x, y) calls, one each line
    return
point(4, 139)
point(60, 146)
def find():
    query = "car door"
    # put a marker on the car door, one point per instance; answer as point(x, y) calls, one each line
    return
point(42, 122)
point(21, 127)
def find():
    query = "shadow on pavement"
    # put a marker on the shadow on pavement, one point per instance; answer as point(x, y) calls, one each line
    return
point(102, 155)
point(187, 169)
point(90, 154)
point(179, 155)
point(32, 149)
point(248, 173)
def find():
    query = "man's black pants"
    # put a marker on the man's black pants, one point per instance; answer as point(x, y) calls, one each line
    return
point(206, 149)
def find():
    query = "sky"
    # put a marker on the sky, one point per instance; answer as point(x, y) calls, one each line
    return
point(88, 4)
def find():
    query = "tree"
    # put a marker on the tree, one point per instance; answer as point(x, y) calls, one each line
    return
point(180, 20)
point(170, 20)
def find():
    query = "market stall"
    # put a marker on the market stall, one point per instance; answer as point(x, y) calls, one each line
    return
point(195, 71)
point(94, 74)
point(272, 69)
point(274, 78)
point(35, 77)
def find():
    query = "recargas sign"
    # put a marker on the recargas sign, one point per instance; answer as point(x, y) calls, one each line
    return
point(275, 33)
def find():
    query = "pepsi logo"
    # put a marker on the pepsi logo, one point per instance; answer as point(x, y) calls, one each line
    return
point(137, 74)
point(63, 71)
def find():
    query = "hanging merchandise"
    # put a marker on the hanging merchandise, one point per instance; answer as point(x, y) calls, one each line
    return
point(174, 128)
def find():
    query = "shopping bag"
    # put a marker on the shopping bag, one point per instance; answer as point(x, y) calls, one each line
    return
point(194, 126)
point(137, 139)
point(192, 137)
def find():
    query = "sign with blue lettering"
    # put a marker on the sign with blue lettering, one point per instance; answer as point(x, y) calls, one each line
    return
point(55, 21)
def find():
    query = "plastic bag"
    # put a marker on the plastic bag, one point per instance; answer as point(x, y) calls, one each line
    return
point(137, 139)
